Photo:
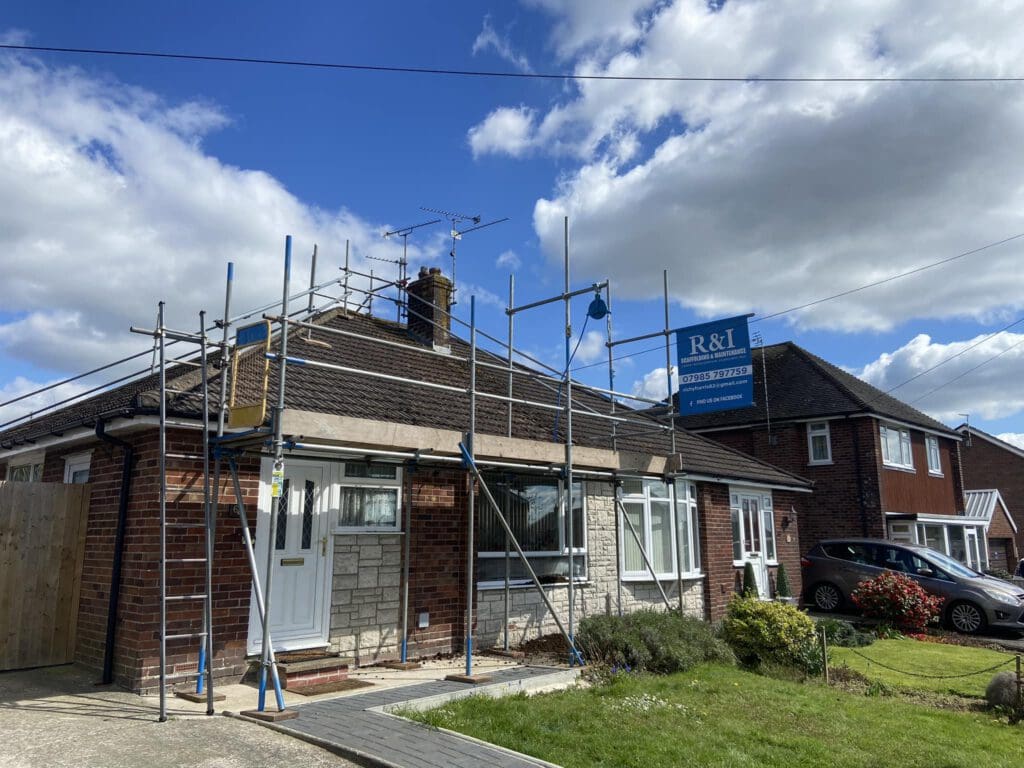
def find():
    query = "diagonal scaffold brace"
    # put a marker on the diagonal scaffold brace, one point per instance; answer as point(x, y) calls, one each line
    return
point(470, 464)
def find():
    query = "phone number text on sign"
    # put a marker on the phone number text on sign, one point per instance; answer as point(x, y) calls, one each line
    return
point(721, 373)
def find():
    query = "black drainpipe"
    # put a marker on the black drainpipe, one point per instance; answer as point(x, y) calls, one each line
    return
point(115, 571)
point(860, 477)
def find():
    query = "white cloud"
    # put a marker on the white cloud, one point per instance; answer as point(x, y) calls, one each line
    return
point(507, 130)
point(985, 392)
point(591, 348)
point(654, 385)
point(483, 296)
point(109, 203)
point(489, 39)
point(758, 196)
point(1013, 438)
point(20, 387)
point(509, 259)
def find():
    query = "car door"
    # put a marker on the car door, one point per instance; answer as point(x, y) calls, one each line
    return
point(858, 563)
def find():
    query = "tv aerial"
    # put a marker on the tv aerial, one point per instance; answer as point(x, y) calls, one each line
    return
point(457, 220)
point(403, 262)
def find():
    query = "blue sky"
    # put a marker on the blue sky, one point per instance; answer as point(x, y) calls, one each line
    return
point(132, 180)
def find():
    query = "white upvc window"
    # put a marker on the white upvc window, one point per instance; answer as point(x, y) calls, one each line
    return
point(753, 526)
point(819, 443)
point(370, 497)
point(534, 507)
point(934, 457)
point(896, 447)
point(662, 533)
point(27, 468)
point(76, 467)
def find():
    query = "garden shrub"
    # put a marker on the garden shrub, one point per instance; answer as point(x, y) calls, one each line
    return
point(782, 588)
point(650, 641)
point(897, 599)
point(749, 580)
point(999, 573)
point(771, 634)
point(844, 634)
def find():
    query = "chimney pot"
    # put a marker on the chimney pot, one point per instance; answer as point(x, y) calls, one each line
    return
point(423, 271)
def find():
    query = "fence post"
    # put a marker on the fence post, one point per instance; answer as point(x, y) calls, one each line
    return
point(824, 658)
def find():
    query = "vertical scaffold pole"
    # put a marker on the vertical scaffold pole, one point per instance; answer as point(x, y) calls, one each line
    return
point(508, 550)
point(275, 502)
point(209, 522)
point(470, 539)
point(163, 511)
point(668, 364)
point(611, 386)
point(672, 437)
point(568, 448)
point(407, 549)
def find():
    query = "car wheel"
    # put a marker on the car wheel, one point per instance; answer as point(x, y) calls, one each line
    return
point(827, 597)
point(966, 617)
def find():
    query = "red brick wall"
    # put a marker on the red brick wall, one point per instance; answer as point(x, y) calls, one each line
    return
point(846, 498)
point(437, 563)
point(136, 658)
point(988, 466)
point(721, 577)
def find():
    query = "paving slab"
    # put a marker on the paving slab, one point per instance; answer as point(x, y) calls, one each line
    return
point(362, 727)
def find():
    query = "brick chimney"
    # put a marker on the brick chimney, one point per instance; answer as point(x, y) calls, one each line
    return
point(430, 300)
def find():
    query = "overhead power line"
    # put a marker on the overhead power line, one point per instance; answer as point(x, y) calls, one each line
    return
point(848, 292)
point(353, 67)
point(968, 371)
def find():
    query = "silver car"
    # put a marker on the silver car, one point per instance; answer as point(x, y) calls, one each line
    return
point(971, 600)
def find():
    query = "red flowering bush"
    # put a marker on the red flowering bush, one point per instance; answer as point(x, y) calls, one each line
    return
point(896, 599)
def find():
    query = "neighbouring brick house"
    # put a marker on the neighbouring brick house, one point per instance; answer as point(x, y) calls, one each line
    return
point(991, 463)
point(880, 468)
point(374, 468)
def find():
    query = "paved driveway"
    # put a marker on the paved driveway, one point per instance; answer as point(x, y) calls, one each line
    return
point(56, 717)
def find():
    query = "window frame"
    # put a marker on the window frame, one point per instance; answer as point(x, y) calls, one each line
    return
point(687, 500)
point(930, 442)
point(563, 550)
point(814, 429)
point(76, 462)
point(765, 505)
point(34, 460)
point(905, 439)
point(344, 481)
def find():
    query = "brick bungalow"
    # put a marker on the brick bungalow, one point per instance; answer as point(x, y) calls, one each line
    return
point(880, 468)
point(991, 463)
point(377, 470)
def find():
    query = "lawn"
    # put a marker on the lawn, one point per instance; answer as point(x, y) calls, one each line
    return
point(721, 716)
point(925, 659)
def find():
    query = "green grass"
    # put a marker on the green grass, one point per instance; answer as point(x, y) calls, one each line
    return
point(924, 659)
point(721, 716)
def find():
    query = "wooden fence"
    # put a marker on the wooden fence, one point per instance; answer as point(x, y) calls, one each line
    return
point(42, 544)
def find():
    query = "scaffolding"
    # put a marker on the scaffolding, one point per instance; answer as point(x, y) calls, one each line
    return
point(227, 446)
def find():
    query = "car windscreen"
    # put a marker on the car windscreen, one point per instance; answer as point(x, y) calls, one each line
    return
point(952, 566)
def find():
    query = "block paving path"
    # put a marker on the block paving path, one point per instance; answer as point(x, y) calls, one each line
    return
point(350, 726)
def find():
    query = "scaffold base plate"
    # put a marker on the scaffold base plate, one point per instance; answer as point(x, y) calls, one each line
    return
point(472, 679)
point(198, 698)
point(271, 716)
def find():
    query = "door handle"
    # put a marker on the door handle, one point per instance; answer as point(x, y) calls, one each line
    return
point(323, 546)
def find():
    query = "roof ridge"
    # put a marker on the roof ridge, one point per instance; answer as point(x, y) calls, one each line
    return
point(820, 363)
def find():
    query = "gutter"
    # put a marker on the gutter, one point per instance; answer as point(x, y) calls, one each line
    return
point(115, 571)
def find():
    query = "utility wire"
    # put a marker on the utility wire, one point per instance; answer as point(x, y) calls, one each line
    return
point(507, 74)
point(969, 370)
point(841, 294)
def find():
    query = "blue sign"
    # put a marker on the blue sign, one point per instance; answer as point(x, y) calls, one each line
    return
point(715, 370)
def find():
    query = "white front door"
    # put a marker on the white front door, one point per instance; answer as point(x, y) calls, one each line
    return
point(754, 541)
point(297, 605)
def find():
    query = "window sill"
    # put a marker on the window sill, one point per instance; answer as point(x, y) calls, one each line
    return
point(900, 468)
point(646, 578)
point(489, 586)
point(935, 474)
point(365, 531)
point(820, 463)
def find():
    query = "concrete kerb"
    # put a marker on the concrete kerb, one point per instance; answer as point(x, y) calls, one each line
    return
point(558, 678)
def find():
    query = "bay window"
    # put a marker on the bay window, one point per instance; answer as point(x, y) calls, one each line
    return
point(647, 504)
